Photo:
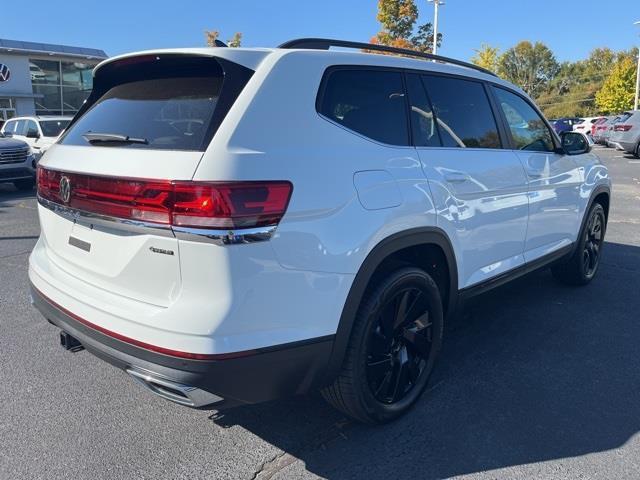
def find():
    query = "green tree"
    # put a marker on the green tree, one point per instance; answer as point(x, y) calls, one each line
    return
point(398, 19)
point(212, 35)
point(487, 57)
point(531, 66)
point(618, 91)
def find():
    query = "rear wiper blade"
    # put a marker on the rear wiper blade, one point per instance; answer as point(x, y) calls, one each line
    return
point(92, 137)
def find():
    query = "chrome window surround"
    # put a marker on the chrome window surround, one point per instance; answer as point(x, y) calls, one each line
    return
point(206, 235)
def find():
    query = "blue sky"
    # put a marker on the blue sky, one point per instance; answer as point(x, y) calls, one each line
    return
point(570, 28)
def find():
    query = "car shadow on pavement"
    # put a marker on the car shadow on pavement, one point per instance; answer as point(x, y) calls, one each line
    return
point(8, 193)
point(533, 371)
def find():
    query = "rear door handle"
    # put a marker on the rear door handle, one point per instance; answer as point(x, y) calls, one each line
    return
point(456, 177)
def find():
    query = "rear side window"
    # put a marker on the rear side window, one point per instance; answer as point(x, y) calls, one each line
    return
point(32, 128)
point(369, 102)
point(463, 113)
point(528, 130)
point(165, 103)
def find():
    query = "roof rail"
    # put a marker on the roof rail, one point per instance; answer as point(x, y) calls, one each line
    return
point(326, 43)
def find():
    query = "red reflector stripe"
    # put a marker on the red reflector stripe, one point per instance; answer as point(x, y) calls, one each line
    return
point(217, 205)
point(144, 345)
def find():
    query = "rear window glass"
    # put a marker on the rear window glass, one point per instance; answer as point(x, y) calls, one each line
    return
point(463, 113)
point(53, 128)
point(370, 102)
point(173, 112)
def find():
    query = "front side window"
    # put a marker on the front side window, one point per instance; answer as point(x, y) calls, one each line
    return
point(369, 102)
point(528, 129)
point(32, 128)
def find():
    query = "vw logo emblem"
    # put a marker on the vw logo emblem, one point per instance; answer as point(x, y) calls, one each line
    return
point(5, 73)
point(65, 189)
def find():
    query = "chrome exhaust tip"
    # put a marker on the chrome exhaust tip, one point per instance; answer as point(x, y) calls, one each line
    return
point(173, 391)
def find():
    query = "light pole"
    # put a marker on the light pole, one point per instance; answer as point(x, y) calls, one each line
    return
point(436, 3)
point(635, 104)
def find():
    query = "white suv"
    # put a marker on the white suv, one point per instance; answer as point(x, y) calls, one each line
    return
point(39, 132)
point(233, 225)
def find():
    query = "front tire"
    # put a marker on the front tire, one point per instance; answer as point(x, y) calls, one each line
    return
point(583, 265)
point(395, 340)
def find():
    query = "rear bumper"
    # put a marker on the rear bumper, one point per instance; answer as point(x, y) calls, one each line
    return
point(629, 147)
point(262, 375)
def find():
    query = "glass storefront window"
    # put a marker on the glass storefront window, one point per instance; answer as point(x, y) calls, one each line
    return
point(64, 85)
point(44, 71)
point(77, 74)
point(51, 101)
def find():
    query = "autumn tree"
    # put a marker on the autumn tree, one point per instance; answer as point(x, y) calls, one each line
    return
point(212, 35)
point(618, 91)
point(487, 57)
point(531, 66)
point(398, 19)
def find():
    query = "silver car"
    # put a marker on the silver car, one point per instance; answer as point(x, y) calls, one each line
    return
point(626, 133)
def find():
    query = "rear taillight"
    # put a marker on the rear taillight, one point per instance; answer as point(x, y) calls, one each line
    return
point(216, 205)
point(622, 128)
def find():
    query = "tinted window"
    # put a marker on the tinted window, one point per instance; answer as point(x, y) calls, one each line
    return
point(168, 102)
point(423, 125)
point(9, 127)
point(53, 128)
point(32, 128)
point(369, 102)
point(463, 112)
point(21, 127)
point(528, 130)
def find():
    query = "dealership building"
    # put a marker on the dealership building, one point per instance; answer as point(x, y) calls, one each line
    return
point(44, 79)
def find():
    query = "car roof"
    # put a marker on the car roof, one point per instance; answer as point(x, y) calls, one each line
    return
point(253, 57)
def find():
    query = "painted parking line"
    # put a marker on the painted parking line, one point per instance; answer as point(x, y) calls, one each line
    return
point(634, 161)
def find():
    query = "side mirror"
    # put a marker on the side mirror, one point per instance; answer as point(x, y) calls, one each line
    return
point(575, 143)
point(7, 134)
point(32, 134)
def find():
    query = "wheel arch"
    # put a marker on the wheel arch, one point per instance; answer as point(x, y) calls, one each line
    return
point(602, 195)
point(386, 249)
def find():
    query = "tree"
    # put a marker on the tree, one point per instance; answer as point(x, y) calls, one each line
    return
point(487, 57)
point(212, 35)
point(398, 19)
point(618, 91)
point(530, 66)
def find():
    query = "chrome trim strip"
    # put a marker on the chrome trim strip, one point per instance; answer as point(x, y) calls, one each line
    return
point(225, 237)
point(205, 235)
point(92, 220)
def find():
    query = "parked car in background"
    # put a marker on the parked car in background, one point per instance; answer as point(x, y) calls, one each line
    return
point(610, 134)
point(626, 133)
point(17, 164)
point(566, 124)
point(596, 124)
point(585, 125)
point(600, 129)
point(39, 132)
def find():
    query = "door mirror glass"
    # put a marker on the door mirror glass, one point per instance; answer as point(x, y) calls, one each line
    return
point(575, 143)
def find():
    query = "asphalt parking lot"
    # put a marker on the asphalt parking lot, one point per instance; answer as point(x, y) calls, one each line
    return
point(536, 380)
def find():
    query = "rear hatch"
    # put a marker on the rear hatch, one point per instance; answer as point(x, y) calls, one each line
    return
point(106, 188)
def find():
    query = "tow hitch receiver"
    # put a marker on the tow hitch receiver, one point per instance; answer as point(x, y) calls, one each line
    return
point(70, 343)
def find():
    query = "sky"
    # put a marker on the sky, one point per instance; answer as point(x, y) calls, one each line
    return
point(570, 28)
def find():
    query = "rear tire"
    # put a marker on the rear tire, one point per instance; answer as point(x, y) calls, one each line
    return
point(583, 264)
point(395, 340)
point(26, 184)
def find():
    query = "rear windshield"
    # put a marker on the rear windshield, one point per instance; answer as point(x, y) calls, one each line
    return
point(173, 111)
point(53, 128)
